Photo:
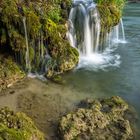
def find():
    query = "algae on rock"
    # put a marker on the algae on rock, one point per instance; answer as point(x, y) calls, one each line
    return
point(100, 119)
point(17, 126)
point(9, 72)
point(110, 12)
point(63, 56)
point(34, 29)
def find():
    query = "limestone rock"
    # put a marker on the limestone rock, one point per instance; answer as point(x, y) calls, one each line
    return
point(102, 119)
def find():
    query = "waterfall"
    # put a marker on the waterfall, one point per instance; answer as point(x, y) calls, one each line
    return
point(118, 34)
point(71, 34)
point(85, 35)
point(27, 58)
point(89, 18)
point(122, 28)
point(37, 47)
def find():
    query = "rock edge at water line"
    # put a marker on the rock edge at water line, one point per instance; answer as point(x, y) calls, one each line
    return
point(100, 119)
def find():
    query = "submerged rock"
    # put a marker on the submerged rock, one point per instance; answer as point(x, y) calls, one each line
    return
point(57, 79)
point(102, 119)
point(17, 126)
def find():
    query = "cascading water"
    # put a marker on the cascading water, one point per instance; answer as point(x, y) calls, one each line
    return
point(118, 34)
point(122, 29)
point(84, 34)
point(37, 46)
point(86, 13)
point(27, 59)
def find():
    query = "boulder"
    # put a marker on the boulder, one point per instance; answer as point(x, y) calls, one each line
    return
point(17, 126)
point(102, 119)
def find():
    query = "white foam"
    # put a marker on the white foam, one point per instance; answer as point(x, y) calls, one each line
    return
point(121, 41)
point(99, 61)
point(36, 75)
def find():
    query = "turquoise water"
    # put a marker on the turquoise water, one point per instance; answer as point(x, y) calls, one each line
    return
point(123, 80)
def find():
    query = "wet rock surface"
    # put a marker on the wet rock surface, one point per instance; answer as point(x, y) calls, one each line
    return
point(103, 119)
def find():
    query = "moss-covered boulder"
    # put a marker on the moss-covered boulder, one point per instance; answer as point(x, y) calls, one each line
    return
point(63, 57)
point(9, 72)
point(110, 14)
point(103, 119)
point(17, 126)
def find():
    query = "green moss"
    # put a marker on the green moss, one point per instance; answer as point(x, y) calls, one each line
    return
point(110, 17)
point(110, 14)
point(45, 21)
point(33, 23)
point(63, 56)
point(9, 72)
point(57, 79)
point(31, 54)
point(118, 3)
point(17, 126)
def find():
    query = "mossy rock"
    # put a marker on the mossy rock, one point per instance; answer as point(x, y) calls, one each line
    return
point(101, 119)
point(17, 126)
point(57, 79)
point(9, 72)
point(63, 57)
point(62, 61)
point(44, 23)
point(110, 17)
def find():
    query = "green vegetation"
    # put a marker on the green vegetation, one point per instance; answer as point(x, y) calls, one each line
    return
point(17, 126)
point(117, 3)
point(46, 26)
point(110, 14)
point(9, 72)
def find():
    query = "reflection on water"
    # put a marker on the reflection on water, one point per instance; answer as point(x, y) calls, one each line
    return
point(45, 103)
